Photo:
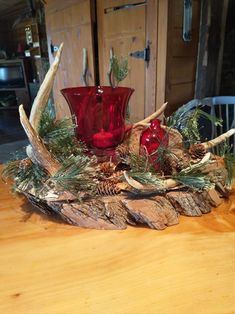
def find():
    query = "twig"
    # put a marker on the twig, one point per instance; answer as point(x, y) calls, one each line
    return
point(109, 74)
point(84, 67)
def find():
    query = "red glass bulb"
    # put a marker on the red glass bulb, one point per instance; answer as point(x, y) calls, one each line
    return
point(153, 137)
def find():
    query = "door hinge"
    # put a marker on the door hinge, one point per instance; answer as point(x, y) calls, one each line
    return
point(143, 54)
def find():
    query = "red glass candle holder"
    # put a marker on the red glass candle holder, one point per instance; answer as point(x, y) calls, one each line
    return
point(100, 114)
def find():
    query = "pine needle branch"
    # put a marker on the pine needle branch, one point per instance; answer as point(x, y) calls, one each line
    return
point(76, 174)
point(119, 68)
point(146, 178)
point(199, 182)
point(229, 159)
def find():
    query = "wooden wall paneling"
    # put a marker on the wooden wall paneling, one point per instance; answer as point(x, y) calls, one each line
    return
point(151, 67)
point(221, 49)
point(124, 31)
point(181, 56)
point(161, 52)
point(211, 28)
point(69, 22)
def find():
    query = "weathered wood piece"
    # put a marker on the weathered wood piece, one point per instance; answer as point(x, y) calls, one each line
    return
point(213, 197)
point(105, 213)
point(157, 213)
point(189, 203)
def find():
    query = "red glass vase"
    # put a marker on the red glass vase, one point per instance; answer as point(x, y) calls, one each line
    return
point(100, 114)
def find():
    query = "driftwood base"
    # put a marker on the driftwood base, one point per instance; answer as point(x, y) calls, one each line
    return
point(116, 212)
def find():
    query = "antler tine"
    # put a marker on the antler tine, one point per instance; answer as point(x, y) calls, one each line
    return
point(41, 99)
point(152, 116)
point(216, 141)
point(40, 153)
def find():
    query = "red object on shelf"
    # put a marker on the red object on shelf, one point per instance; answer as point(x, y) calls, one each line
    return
point(153, 137)
point(100, 114)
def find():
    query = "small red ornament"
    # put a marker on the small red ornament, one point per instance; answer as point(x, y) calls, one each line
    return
point(153, 137)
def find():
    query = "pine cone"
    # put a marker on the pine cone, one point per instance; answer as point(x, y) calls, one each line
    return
point(197, 151)
point(107, 168)
point(24, 163)
point(170, 164)
point(116, 177)
point(122, 151)
point(107, 188)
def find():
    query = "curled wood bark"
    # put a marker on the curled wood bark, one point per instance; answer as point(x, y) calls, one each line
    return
point(39, 152)
point(175, 138)
point(43, 94)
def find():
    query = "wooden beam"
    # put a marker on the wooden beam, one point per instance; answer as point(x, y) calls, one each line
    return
point(161, 51)
point(209, 47)
point(151, 67)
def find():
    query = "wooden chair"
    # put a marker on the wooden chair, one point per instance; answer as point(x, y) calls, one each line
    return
point(223, 107)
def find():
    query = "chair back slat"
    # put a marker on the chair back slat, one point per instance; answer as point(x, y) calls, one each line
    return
point(222, 107)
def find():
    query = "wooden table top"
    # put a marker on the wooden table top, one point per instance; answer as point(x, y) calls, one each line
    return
point(50, 267)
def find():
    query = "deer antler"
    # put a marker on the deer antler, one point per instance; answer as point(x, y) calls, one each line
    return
point(151, 117)
point(41, 99)
point(40, 153)
point(216, 141)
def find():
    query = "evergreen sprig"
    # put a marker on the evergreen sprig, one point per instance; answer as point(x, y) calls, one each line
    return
point(119, 68)
point(76, 174)
point(30, 176)
point(140, 163)
point(197, 181)
point(186, 121)
point(59, 136)
point(146, 178)
point(229, 159)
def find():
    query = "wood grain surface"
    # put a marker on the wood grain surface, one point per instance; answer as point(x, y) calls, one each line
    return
point(49, 267)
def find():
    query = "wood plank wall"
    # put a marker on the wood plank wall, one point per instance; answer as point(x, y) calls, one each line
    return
point(69, 22)
point(124, 32)
point(181, 56)
point(211, 47)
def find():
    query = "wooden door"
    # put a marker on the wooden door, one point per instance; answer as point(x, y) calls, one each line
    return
point(123, 30)
point(69, 22)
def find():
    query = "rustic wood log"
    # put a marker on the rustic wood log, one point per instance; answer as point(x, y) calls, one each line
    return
point(40, 153)
point(189, 203)
point(157, 213)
